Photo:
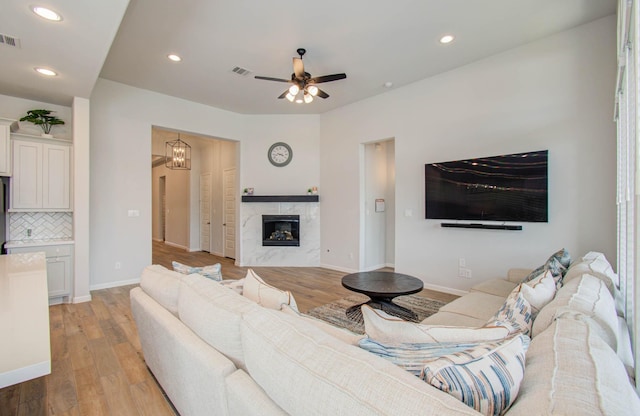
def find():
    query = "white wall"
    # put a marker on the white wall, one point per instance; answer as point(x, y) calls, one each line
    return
point(121, 121)
point(556, 94)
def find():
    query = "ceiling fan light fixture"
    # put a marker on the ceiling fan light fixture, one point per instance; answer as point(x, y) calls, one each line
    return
point(293, 90)
point(290, 97)
point(308, 98)
point(299, 101)
point(313, 90)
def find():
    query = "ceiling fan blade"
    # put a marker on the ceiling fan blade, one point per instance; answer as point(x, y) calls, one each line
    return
point(327, 78)
point(322, 94)
point(284, 94)
point(298, 67)
point(272, 79)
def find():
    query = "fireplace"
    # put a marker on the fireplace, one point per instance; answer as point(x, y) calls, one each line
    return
point(281, 230)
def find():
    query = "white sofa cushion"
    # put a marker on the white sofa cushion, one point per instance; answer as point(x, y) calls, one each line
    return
point(453, 319)
point(585, 297)
point(595, 264)
point(264, 294)
point(571, 371)
point(497, 287)
point(245, 397)
point(486, 377)
point(214, 312)
point(163, 285)
point(476, 305)
point(383, 327)
point(306, 371)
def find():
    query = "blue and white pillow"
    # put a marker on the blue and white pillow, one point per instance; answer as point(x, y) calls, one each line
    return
point(515, 314)
point(213, 272)
point(413, 356)
point(486, 378)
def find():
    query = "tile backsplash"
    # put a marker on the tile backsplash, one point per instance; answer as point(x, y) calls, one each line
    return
point(43, 225)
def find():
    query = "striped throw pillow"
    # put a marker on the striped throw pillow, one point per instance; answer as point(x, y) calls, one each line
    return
point(486, 378)
point(412, 357)
point(515, 314)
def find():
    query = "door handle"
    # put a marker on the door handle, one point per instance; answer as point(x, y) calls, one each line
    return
point(224, 224)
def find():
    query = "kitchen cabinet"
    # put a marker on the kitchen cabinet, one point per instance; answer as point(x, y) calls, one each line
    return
point(6, 127)
point(59, 268)
point(41, 178)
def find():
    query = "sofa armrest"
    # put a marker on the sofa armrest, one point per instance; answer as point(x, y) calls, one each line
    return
point(516, 275)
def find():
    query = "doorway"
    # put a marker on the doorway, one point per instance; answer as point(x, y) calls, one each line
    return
point(377, 242)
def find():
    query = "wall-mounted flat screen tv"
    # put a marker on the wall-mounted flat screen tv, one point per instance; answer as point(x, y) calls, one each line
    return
point(498, 188)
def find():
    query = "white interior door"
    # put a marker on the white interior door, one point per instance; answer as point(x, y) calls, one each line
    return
point(205, 212)
point(163, 207)
point(229, 192)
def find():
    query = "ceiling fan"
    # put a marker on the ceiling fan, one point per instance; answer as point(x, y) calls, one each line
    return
point(303, 88)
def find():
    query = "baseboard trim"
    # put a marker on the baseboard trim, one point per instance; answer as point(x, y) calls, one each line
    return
point(337, 268)
point(114, 284)
point(176, 245)
point(81, 299)
point(445, 289)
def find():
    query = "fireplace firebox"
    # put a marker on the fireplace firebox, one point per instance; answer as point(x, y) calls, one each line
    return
point(281, 230)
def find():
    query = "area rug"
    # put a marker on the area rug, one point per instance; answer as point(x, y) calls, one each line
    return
point(335, 312)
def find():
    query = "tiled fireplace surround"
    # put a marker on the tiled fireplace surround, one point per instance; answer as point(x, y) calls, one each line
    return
point(255, 254)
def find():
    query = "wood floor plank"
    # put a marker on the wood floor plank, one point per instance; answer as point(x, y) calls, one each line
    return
point(61, 389)
point(134, 368)
point(118, 394)
point(104, 357)
point(149, 400)
point(91, 398)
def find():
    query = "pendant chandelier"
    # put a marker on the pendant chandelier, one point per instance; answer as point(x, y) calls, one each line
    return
point(177, 155)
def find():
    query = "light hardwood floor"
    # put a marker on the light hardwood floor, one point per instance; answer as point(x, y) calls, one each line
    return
point(97, 362)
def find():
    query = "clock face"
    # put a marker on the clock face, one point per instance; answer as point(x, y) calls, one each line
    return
point(280, 154)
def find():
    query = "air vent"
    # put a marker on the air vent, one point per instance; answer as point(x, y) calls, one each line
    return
point(241, 71)
point(7, 40)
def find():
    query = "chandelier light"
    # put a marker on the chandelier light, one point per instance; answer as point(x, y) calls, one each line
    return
point(177, 155)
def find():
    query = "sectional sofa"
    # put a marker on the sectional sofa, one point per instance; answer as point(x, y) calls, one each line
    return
point(219, 349)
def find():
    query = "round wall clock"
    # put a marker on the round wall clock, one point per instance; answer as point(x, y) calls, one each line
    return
point(280, 154)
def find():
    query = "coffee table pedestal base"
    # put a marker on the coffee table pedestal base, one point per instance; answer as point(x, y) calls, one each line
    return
point(386, 305)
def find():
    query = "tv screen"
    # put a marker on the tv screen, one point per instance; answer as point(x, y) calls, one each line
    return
point(498, 188)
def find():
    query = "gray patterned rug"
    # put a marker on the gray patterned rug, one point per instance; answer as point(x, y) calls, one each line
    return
point(334, 312)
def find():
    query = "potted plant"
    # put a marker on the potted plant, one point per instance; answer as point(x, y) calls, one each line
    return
point(44, 119)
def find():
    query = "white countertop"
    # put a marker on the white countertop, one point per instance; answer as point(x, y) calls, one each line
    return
point(25, 351)
point(38, 242)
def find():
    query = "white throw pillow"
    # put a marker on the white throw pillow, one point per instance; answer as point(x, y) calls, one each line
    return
point(539, 291)
point(266, 295)
point(383, 327)
point(213, 272)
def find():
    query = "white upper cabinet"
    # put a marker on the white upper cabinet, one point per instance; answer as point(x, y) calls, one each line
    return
point(41, 176)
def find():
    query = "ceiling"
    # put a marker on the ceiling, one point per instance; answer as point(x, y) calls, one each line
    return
point(372, 41)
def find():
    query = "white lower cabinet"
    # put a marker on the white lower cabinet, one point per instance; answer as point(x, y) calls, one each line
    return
point(59, 269)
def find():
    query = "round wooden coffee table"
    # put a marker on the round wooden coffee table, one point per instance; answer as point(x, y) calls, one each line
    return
point(382, 287)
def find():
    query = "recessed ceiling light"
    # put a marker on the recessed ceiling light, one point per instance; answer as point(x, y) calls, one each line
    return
point(46, 13)
point(46, 72)
point(174, 57)
point(388, 84)
point(447, 39)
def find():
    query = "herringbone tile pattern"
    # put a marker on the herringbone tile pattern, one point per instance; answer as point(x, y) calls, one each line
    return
point(43, 225)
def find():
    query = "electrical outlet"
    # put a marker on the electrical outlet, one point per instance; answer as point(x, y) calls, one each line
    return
point(118, 265)
point(29, 231)
point(462, 262)
point(464, 273)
